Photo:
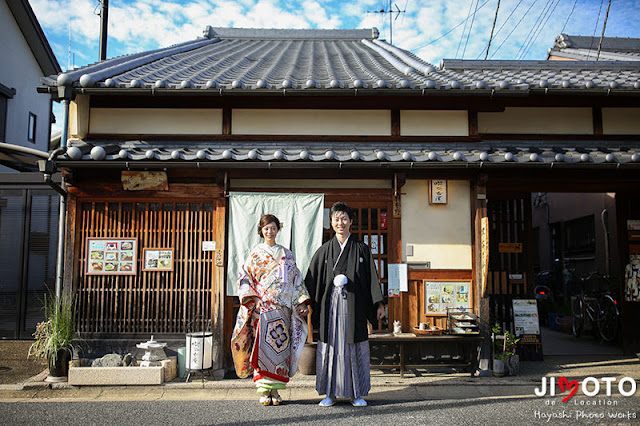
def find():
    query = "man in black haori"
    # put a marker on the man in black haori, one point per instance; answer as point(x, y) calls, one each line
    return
point(343, 284)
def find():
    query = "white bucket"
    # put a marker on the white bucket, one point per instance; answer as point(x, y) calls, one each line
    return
point(199, 350)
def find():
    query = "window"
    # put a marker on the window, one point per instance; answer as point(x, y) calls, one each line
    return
point(5, 93)
point(580, 235)
point(31, 131)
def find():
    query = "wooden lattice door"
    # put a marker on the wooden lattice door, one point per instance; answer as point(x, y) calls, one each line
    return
point(167, 302)
point(510, 245)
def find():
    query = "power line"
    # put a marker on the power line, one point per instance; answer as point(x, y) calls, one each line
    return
point(465, 27)
point(568, 17)
point(452, 29)
point(549, 15)
point(512, 30)
point(469, 33)
point(594, 30)
point(604, 26)
point(495, 18)
point(533, 29)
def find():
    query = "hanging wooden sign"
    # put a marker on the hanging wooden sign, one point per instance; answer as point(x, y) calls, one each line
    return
point(438, 191)
point(144, 181)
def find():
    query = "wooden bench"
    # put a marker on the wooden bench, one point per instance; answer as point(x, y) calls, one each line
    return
point(462, 347)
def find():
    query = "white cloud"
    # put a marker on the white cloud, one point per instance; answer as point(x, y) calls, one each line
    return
point(138, 25)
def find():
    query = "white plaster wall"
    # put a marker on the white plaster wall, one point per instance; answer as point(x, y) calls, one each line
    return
point(19, 70)
point(154, 121)
point(434, 123)
point(621, 121)
point(311, 122)
point(440, 234)
point(79, 117)
point(556, 121)
point(310, 183)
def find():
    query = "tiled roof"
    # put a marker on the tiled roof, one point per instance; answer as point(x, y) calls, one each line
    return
point(584, 48)
point(328, 61)
point(505, 153)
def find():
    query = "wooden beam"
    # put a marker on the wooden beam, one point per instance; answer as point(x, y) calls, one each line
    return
point(395, 123)
point(597, 121)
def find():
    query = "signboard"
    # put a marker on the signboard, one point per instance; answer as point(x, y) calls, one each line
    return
point(397, 279)
point(438, 191)
point(510, 248)
point(157, 259)
point(484, 254)
point(633, 225)
point(383, 220)
point(525, 316)
point(111, 256)
point(144, 181)
point(440, 295)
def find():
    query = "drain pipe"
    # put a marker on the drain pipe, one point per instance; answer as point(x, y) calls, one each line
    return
point(605, 226)
point(63, 200)
point(48, 168)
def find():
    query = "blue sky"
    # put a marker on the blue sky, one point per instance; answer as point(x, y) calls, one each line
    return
point(525, 29)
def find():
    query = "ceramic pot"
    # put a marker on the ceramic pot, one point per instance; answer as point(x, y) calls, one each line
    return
point(59, 370)
point(498, 368)
point(307, 363)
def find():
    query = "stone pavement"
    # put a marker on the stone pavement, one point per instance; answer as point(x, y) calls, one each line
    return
point(589, 359)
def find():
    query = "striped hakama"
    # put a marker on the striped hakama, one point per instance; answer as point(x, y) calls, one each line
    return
point(342, 369)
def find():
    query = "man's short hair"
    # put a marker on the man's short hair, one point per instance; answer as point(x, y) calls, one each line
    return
point(341, 207)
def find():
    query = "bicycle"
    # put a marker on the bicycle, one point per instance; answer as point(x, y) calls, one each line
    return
point(601, 309)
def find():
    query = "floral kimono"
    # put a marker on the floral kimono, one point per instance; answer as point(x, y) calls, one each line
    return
point(269, 342)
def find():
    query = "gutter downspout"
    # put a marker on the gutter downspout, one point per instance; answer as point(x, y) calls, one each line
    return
point(62, 214)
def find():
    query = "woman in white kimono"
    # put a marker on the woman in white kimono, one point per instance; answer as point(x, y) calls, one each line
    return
point(270, 329)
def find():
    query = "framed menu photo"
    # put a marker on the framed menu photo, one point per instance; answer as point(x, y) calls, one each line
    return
point(157, 259)
point(111, 256)
point(440, 295)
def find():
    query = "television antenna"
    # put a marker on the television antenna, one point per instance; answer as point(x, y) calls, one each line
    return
point(391, 11)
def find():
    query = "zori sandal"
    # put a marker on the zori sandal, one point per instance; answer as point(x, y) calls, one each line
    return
point(265, 400)
point(276, 399)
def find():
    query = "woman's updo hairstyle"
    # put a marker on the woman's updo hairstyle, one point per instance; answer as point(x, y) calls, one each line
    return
point(266, 219)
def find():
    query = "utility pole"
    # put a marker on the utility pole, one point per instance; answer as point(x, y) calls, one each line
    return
point(390, 11)
point(104, 23)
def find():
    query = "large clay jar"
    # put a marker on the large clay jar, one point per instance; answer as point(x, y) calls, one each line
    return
point(307, 363)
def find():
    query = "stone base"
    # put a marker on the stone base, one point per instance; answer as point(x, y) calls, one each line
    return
point(100, 376)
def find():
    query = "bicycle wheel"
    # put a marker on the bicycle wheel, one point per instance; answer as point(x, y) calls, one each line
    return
point(576, 314)
point(607, 318)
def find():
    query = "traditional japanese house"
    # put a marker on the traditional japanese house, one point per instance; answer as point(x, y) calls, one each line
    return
point(161, 143)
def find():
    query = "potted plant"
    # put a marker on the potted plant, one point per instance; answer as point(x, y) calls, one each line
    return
point(55, 336)
point(505, 359)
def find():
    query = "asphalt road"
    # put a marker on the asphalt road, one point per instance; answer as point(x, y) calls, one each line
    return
point(507, 410)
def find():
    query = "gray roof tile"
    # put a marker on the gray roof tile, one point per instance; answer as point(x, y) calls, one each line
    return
point(330, 60)
point(585, 48)
point(498, 152)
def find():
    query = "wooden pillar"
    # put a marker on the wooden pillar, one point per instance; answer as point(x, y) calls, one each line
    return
point(479, 209)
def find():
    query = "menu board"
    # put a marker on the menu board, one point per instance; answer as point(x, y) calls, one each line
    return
point(157, 259)
point(111, 256)
point(440, 295)
point(525, 316)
